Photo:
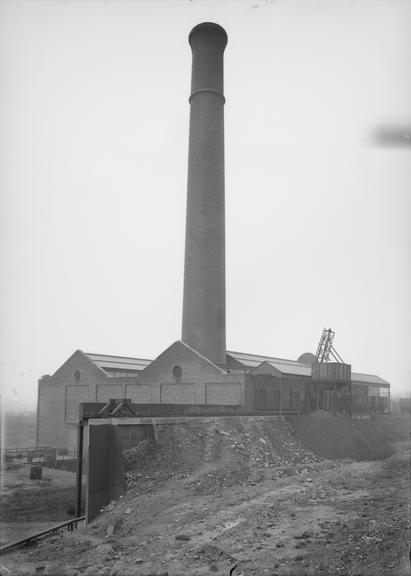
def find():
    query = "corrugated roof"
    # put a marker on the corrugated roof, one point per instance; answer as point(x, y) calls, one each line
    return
point(118, 362)
point(281, 364)
point(369, 379)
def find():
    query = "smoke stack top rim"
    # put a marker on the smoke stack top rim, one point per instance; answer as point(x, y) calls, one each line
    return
point(209, 25)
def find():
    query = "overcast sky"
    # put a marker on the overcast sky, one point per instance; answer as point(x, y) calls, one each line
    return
point(94, 114)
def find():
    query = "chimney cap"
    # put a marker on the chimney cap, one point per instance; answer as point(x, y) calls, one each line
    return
point(210, 25)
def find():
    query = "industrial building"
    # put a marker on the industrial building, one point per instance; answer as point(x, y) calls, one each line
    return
point(181, 375)
point(198, 370)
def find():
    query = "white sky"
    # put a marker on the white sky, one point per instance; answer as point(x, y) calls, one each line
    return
point(94, 114)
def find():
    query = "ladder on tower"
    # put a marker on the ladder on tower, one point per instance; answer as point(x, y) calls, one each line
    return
point(326, 349)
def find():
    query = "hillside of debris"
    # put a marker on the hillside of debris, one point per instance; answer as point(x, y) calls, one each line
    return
point(214, 454)
point(218, 453)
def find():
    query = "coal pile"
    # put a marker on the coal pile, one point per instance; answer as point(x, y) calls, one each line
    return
point(339, 437)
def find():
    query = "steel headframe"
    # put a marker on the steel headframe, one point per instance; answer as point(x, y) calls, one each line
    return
point(326, 349)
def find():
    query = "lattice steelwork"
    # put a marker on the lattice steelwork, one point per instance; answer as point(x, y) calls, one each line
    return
point(325, 348)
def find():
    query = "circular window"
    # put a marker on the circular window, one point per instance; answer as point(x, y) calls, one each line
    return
point(177, 372)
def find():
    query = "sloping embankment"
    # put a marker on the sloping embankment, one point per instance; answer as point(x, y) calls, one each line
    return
point(216, 453)
point(337, 437)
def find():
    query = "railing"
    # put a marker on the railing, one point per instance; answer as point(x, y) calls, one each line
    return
point(71, 524)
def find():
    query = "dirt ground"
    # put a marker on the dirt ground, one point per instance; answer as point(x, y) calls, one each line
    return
point(30, 506)
point(255, 500)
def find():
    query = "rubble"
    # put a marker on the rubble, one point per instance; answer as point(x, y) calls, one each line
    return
point(243, 452)
point(205, 503)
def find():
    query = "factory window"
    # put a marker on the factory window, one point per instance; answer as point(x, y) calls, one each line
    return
point(77, 376)
point(177, 372)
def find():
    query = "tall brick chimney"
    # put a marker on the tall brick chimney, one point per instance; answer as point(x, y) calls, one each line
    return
point(204, 272)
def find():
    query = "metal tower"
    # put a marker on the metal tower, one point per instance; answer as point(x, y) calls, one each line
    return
point(325, 348)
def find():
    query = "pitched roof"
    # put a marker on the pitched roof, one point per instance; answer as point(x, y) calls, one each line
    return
point(369, 379)
point(293, 367)
point(284, 366)
point(299, 368)
point(175, 350)
point(121, 363)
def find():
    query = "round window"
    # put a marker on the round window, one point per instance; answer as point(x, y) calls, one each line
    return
point(177, 372)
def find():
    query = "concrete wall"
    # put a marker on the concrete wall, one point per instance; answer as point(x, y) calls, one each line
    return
point(128, 436)
point(98, 466)
point(105, 473)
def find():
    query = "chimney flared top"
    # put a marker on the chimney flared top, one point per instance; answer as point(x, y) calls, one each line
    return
point(209, 31)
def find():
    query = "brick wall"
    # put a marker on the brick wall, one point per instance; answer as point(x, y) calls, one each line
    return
point(109, 390)
point(51, 425)
point(74, 395)
point(196, 374)
point(77, 380)
point(141, 393)
point(224, 393)
point(181, 393)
